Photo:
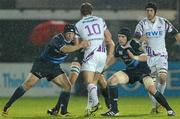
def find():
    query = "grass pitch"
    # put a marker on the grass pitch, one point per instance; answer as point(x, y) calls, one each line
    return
point(130, 108)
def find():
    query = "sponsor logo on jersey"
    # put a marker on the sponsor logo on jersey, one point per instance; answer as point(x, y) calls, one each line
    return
point(154, 33)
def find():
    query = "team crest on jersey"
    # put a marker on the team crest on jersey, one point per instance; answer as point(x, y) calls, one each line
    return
point(120, 52)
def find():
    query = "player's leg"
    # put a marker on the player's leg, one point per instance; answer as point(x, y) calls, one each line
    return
point(153, 100)
point(161, 85)
point(88, 72)
point(152, 62)
point(30, 81)
point(150, 86)
point(92, 91)
point(62, 81)
point(75, 70)
point(161, 67)
point(113, 82)
point(91, 68)
point(104, 89)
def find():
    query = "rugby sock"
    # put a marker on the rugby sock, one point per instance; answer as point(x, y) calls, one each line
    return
point(161, 87)
point(113, 91)
point(60, 101)
point(65, 100)
point(153, 100)
point(105, 94)
point(93, 97)
point(161, 99)
point(17, 94)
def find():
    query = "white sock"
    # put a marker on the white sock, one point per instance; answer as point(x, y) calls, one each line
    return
point(89, 101)
point(153, 101)
point(161, 87)
point(92, 95)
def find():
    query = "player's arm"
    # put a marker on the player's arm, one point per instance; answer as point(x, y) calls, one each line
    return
point(142, 57)
point(72, 48)
point(170, 28)
point(177, 36)
point(76, 41)
point(138, 34)
point(109, 43)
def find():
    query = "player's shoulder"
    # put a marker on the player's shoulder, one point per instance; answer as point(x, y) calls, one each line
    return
point(58, 37)
point(118, 47)
point(97, 17)
point(162, 20)
point(143, 21)
point(159, 17)
point(78, 23)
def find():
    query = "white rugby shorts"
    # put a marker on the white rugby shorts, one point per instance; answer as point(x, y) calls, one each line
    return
point(94, 62)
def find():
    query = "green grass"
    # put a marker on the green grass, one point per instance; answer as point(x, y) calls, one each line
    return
point(130, 108)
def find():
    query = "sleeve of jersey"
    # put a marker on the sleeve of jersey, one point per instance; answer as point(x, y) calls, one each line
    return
point(137, 47)
point(77, 36)
point(139, 30)
point(116, 54)
point(170, 28)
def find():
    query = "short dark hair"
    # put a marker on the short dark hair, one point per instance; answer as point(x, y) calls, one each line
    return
point(151, 5)
point(86, 8)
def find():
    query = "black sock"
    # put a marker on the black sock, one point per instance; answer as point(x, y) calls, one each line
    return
point(161, 100)
point(113, 91)
point(105, 94)
point(65, 101)
point(59, 102)
point(17, 94)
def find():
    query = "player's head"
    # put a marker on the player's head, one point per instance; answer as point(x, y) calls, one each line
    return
point(124, 35)
point(69, 31)
point(151, 10)
point(86, 9)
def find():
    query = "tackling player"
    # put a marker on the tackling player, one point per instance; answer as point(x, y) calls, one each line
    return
point(130, 52)
point(47, 66)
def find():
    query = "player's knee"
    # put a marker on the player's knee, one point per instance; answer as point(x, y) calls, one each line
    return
point(118, 78)
point(112, 81)
point(27, 85)
point(121, 77)
point(163, 77)
point(67, 86)
point(75, 68)
point(101, 81)
point(149, 84)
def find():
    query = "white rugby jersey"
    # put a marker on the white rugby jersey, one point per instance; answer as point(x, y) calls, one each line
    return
point(92, 28)
point(155, 33)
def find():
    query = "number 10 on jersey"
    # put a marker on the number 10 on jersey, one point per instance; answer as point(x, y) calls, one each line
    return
point(93, 29)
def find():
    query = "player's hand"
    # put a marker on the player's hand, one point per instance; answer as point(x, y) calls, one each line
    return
point(143, 39)
point(85, 43)
point(131, 55)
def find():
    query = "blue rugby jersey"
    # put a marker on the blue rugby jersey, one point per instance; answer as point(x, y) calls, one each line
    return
point(51, 51)
point(121, 52)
